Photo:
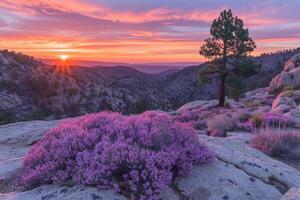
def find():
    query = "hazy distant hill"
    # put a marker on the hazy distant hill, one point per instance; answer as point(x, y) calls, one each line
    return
point(167, 72)
point(30, 89)
point(151, 68)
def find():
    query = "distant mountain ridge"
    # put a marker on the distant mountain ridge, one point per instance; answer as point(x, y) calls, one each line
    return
point(31, 89)
point(152, 68)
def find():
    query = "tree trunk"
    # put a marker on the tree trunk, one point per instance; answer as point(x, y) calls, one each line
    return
point(222, 90)
point(223, 77)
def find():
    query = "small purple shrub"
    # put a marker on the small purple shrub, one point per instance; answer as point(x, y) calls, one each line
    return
point(278, 121)
point(218, 125)
point(271, 120)
point(135, 155)
point(187, 116)
point(198, 125)
point(277, 142)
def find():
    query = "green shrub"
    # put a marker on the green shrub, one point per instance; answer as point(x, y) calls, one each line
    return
point(6, 116)
point(288, 93)
point(257, 120)
point(9, 85)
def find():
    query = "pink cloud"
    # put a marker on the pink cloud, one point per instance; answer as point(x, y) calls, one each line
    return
point(93, 31)
point(256, 15)
point(36, 7)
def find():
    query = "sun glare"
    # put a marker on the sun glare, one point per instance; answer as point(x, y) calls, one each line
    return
point(63, 57)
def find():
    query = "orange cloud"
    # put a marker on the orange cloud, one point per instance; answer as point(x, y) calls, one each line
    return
point(121, 50)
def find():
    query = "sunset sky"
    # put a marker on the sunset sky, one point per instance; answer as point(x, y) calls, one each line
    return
point(138, 31)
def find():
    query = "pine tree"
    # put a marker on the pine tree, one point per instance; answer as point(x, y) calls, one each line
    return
point(227, 49)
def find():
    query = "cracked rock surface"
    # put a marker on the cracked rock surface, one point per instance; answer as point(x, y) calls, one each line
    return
point(51, 192)
point(220, 180)
point(15, 141)
point(234, 150)
point(238, 172)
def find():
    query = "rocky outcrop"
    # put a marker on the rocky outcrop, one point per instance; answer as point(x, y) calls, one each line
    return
point(283, 104)
point(239, 171)
point(292, 63)
point(286, 85)
point(258, 98)
point(288, 104)
point(286, 101)
point(289, 78)
point(198, 104)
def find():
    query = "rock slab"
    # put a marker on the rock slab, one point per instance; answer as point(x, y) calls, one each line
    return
point(292, 194)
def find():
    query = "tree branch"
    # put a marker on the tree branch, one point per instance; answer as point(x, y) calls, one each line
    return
point(210, 72)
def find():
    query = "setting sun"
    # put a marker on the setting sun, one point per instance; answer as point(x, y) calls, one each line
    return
point(63, 57)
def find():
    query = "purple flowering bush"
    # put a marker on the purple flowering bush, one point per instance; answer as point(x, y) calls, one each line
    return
point(284, 143)
point(137, 156)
